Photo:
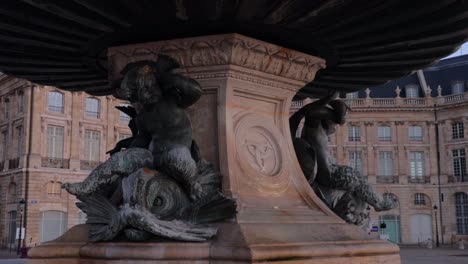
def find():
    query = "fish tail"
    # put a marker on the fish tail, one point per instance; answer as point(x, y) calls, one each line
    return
point(103, 216)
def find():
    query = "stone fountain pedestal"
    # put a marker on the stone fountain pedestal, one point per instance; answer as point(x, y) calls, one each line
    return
point(241, 125)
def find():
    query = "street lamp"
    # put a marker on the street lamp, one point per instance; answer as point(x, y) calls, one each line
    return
point(436, 225)
point(21, 203)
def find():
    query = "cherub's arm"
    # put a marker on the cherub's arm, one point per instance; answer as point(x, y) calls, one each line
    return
point(186, 91)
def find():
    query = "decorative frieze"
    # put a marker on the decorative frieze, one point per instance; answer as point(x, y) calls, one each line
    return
point(219, 50)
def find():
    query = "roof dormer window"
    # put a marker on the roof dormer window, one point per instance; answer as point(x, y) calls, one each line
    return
point(458, 87)
point(412, 91)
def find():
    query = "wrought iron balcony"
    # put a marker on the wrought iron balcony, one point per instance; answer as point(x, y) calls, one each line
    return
point(452, 179)
point(419, 179)
point(55, 163)
point(387, 179)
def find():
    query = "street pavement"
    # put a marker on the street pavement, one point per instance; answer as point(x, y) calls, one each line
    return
point(441, 255)
point(409, 255)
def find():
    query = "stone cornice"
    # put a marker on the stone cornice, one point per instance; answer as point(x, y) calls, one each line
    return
point(228, 49)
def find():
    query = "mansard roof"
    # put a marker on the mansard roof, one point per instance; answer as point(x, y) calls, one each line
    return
point(443, 73)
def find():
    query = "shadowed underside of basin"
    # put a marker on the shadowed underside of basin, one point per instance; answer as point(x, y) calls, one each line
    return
point(365, 43)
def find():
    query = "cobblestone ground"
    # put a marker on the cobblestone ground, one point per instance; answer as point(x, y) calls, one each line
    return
point(441, 255)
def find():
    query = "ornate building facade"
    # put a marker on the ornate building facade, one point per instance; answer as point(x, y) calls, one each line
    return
point(393, 136)
point(48, 137)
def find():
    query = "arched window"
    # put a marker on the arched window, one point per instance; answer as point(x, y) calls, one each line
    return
point(420, 199)
point(54, 188)
point(461, 211)
point(53, 224)
point(56, 102)
point(12, 195)
point(92, 107)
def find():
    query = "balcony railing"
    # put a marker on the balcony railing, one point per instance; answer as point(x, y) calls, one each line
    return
point(419, 180)
point(55, 163)
point(452, 179)
point(297, 104)
point(383, 101)
point(406, 102)
point(387, 179)
point(56, 109)
point(88, 164)
point(453, 98)
point(356, 101)
point(414, 101)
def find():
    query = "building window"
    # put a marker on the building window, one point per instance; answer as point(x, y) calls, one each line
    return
point(385, 163)
point(19, 146)
point(416, 164)
point(459, 164)
point(11, 228)
point(53, 224)
point(124, 118)
point(21, 102)
point(412, 91)
point(54, 188)
point(7, 108)
point(415, 133)
point(92, 145)
point(92, 107)
point(384, 133)
point(82, 218)
point(4, 146)
point(458, 130)
point(55, 142)
point(458, 87)
point(355, 160)
point(352, 95)
point(354, 134)
point(56, 102)
point(461, 211)
point(419, 199)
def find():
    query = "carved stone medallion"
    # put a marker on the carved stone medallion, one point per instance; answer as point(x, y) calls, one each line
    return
point(259, 154)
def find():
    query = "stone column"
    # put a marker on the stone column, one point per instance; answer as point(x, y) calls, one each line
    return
point(241, 125)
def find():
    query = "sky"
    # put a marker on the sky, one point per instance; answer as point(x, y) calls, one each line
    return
point(461, 51)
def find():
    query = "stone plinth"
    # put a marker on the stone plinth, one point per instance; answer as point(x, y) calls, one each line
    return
point(241, 125)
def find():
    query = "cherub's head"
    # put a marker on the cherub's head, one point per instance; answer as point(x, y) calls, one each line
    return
point(140, 80)
point(139, 83)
